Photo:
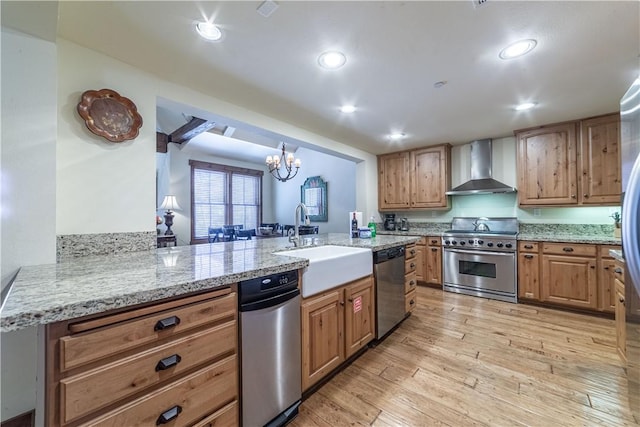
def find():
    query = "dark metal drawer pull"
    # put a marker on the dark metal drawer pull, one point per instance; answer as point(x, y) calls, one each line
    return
point(412, 302)
point(168, 362)
point(169, 322)
point(622, 300)
point(169, 415)
point(434, 249)
point(411, 283)
point(413, 252)
point(433, 242)
point(528, 256)
point(528, 246)
point(567, 249)
point(412, 265)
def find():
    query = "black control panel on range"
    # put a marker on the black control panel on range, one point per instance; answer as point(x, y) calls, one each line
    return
point(266, 286)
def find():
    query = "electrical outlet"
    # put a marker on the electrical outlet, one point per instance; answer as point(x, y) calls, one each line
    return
point(536, 212)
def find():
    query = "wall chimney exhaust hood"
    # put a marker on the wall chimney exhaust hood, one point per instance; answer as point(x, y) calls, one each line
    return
point(481, 181)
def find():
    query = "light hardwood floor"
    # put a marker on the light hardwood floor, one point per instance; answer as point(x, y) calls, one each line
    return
point(465, 361)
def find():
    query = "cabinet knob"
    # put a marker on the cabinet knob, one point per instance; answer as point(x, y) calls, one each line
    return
point(412, 302)
point(341, 303)
point(592, 266)
point(413, 252)
point(411, 283)
point(606, 268)
point(412, 265)
point(622, 300)
point(169, 415)
point(573, 196)
point(350, 300)
point(586, 196)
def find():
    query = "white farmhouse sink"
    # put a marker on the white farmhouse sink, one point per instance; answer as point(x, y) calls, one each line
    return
point(331, 266)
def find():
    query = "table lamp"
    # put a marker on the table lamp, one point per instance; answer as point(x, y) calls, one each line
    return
point(169, 203)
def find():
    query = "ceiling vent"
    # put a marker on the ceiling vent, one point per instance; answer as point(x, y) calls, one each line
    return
point(267, 7)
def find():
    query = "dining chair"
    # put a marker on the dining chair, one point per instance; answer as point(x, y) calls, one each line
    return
point(245, 234)
point(214, 234)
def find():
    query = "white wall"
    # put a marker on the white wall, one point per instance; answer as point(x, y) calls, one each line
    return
point(496, 205)
point(340, 175)
point(28, 193)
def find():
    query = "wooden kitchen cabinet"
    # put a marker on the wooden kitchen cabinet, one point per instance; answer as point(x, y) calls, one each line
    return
point(421, 260)
point(569, 279)
point(433, 265)
point(620, 310)
point(599, 155)
point(430, 177)
point(528, 270)
point(335, 325)
point(606, 279)
point(393, 181)
point(410, 279)
point(175, 359)
point(572, 164)
point(546, 161)
point(415, 179)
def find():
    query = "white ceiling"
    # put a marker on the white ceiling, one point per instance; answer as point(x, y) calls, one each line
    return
point(587, 55)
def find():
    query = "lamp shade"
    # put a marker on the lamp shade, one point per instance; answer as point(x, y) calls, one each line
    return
point(170, 203)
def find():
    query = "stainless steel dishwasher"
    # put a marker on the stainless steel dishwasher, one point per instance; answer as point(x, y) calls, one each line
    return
point(271, 352)
point(388, 269)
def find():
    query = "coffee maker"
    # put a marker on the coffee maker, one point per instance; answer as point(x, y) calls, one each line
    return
point(390, 222)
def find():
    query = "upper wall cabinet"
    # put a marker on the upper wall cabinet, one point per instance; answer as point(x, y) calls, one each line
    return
point(570, 164)
point(416, 179)
point(601, 182)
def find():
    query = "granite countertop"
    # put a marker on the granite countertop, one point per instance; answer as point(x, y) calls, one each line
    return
point(597, 239)
point(78, 287)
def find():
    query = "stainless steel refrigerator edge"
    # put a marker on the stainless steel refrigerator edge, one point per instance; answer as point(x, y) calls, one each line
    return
point(630, 150)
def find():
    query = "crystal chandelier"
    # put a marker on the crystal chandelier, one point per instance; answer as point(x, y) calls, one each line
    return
point(286, 160)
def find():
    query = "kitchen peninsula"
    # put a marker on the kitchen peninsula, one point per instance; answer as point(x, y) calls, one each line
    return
point(84, 286)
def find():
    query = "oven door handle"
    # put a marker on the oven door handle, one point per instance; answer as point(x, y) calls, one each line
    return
point(462, 251)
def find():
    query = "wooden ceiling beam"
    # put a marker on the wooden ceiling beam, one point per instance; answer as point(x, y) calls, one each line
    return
point(195, 127)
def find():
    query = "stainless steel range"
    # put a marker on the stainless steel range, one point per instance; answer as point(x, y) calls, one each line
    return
point(479, 257)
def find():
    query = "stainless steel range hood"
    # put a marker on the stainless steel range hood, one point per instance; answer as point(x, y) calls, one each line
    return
point(481, 181)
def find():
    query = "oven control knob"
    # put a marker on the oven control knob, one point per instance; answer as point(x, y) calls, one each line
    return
point(508, 245)
point(500, 245)
point(489, 244)
point(471, 241)
point(462, 242)
point(480, 242)
point(453, 242)
point(446, 242)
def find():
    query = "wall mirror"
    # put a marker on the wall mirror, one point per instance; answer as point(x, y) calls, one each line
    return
point(313, 194)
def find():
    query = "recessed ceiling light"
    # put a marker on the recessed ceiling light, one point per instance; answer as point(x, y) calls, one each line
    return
point(208, 31)
point(525, 106)
point(397, 135)
point(348, 108)
point(332, 60)
point(517, 49)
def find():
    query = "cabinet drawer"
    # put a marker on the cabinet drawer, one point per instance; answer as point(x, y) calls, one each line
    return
point(186, 400)
point(569, 249)
point(86, 392)
point(410, 301)
point(410, 252)
point(604, 250)
point(80, 349)
point(409, 266)
point(618, 270)
point(224, 417)
point(525, 246)
point(410, 282)
point(434, 241)
point(422, 241)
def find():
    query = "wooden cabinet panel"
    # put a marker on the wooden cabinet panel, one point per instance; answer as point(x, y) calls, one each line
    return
point(393, 181)
point(433, 271)
point(359, 315)
point(86, 392)
point(600, 160)
point(429, 177)
point(529, 275)
point(227, 416)
point(410, 251)
point(621, 327)
point(80, 349)
point(421, 261)
point(547, 165)
point(606, 280)
point(194, 395)
point(569, 249)
point(569, 280)
point(410, 301)
point(410, 282)
point(322, 335)
point(410, 265)
point(526, 246)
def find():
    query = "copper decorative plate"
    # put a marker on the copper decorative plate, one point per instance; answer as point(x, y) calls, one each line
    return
point(110, 115)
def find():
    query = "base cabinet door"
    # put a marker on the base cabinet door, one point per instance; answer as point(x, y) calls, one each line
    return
point(421, 260)
point(433, 270)
point(359, 315)
point(569, 280)
point(621, 327)
point(529, 276)
point(606, 285)
point(322, 336)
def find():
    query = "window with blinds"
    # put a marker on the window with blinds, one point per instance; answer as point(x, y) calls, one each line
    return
point(223, 195)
